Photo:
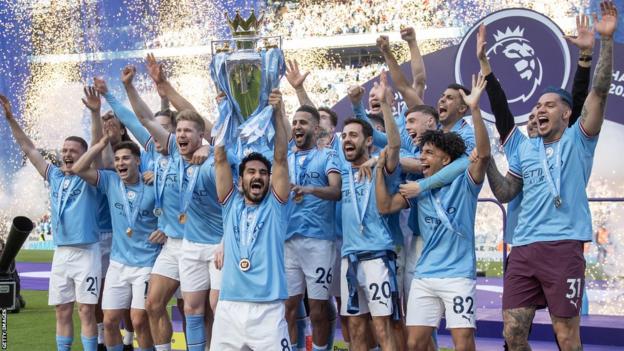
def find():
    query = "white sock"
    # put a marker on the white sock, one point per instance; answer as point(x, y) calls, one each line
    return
point(163, 347)
point(128, 338)
point(100, 329)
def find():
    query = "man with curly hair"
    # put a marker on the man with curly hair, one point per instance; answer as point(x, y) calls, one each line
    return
point(444, 280)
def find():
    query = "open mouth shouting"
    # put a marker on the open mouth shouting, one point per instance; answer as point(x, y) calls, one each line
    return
point(256, 186)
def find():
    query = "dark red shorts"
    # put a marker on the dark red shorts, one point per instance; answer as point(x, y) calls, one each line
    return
point(546, 274)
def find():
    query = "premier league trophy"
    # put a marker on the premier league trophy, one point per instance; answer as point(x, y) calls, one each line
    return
point(246, 68)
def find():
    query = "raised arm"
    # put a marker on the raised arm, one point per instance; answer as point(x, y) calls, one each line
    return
point(23, 140)
point(157, 72)
point(140, 128)
point(93, 102)
point(386, 203)
point(280, 180)
point(417, 64)
point(140, 108)
point(410, 95)
point(498, 100)
point(82, 167)
point(504, 188)
point(592, 115)
point(355, 93)
point(477, 169)
point(296, 79)
point(223, 173)
point(584, 41)
point(392, 131)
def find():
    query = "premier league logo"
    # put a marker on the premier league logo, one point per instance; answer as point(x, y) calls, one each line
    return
point(527, 53)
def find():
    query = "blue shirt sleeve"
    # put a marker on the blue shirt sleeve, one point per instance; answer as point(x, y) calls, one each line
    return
point(446, 175)
point(128, 118)
point(331, 161)
point(103, 180)
point(379, 138)
point(586, 143)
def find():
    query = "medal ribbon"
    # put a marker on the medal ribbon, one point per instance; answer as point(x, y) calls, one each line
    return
point(248, 233)
point(553, 184)
point(368, 185)
point(185, 196)
point(61, 199)
point(442, 215)
point(158, 187)
point(297, 174)
point(131, 217)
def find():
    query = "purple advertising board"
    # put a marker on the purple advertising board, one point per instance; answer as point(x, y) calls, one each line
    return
point(527, 53)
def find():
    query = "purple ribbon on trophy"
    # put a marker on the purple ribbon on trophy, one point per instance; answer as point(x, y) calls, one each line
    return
point(246, 72)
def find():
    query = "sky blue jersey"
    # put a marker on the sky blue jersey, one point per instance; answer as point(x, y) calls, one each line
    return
point(74, 207)
point(135, 250)
point(448, 229)
point(312, 217)
point(205, 224)
point(539, 219)
point(373, 232)
point(265, 281)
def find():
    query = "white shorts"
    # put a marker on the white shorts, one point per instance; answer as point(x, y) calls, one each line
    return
point(309, 263)
point(197, 267)
point(430, 298)
point(250, 326)
point(106, 243)
point(168, 261)
point(412, 255)
point(374, 293)
point(76, 275)
point(125, 287)
point(334, 287)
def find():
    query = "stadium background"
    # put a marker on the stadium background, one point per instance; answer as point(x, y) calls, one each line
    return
point(49, 49)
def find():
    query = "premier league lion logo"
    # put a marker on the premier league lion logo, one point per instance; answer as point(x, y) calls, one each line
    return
point(512, 49)
point(527, 52)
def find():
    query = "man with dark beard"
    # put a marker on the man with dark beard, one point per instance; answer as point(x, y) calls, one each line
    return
point(251, 310)
point(310, 245)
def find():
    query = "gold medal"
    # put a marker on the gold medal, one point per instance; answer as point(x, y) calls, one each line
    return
point(244, 264)
point(129, 232)
point(182, 218)
point(298, 197)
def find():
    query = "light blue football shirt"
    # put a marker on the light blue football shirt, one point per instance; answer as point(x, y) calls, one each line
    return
point(466, 132)
point(204, 224)
point(377, 230)
point(539, 220)
point(265, 281)
point(77, 223)
point(312, 217)
point(136, 250)
point(446, 253)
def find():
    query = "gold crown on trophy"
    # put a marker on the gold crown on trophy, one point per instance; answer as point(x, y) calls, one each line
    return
point(244, 27)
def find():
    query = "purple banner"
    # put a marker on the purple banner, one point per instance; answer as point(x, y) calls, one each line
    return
point(527, 53)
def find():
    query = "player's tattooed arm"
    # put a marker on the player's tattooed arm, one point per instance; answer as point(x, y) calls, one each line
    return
point(592, 114)
point(517, 325)
point(296, 79)
point(504, 188)
point(27, 146)
point(410, 95)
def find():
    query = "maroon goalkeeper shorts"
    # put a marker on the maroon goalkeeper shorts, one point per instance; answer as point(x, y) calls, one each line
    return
point(546, 274)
